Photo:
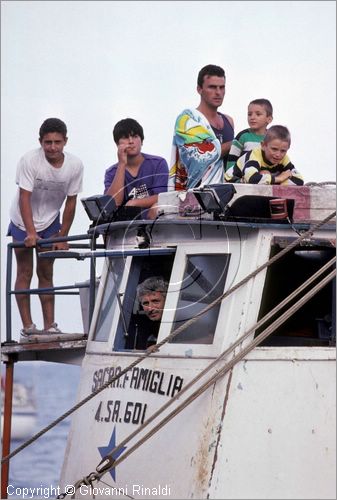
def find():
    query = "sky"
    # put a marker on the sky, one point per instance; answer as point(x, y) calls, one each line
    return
point(93, 63)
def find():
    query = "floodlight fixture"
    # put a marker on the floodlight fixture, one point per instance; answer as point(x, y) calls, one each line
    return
point(214, 198)
point(100, 208)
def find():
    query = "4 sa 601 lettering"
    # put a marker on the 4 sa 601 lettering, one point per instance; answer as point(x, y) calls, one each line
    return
point(112, 411)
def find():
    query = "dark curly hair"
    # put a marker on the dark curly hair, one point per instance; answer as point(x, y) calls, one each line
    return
point(53, 125)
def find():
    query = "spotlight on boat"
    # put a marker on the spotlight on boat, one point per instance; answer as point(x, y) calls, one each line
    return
point(100, 208)
point(214, 198)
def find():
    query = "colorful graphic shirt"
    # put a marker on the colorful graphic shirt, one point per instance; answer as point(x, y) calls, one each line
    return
point(196, 153)
point(151, 179)
point(253, 168)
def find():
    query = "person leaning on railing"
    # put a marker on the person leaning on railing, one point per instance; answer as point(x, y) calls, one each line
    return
point(46, 178)
point(268, 163)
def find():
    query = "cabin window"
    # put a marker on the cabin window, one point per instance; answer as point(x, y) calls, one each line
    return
point(135, 331)
point(203, 282)
point(315, 323)
point(109, 301)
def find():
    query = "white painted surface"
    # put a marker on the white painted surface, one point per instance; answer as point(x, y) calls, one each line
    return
point(274, 438)
point(266, 430)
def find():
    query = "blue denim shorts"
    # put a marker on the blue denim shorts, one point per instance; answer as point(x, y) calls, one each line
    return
point(19, 235)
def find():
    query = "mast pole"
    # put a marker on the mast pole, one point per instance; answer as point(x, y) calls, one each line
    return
point(7, 424)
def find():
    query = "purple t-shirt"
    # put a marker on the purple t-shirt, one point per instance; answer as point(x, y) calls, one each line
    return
point(152, 178)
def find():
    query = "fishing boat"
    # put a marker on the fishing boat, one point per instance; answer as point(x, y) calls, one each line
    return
point(235, 398)
point(24, 413)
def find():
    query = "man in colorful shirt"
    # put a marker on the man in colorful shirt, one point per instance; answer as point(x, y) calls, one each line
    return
point(202, 136)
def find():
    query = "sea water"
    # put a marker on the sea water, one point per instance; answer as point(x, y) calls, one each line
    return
point(38, 467)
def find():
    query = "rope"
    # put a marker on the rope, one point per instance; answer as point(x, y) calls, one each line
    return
point(321, 184)
point(156, 347)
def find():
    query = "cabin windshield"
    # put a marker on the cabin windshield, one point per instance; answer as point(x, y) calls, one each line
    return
point(110, 298)
point(199, 280)
point(203, 282)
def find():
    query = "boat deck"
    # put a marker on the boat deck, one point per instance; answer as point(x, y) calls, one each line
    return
point(70, 351)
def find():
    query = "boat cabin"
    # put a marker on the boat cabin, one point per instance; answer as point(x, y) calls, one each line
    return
point(260, 359)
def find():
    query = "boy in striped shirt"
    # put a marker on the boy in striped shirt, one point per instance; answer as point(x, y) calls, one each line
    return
point(260, 115)
point(268, 163)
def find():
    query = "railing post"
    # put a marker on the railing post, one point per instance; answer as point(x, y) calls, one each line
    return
point(92, 288)
point(8, 293)
point(7, 426)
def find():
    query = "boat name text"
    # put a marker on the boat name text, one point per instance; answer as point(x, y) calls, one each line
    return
point(141, 379)
point(114, 411)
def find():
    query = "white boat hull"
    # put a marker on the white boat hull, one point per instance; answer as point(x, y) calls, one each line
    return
point(257, 433)
point(24, 416)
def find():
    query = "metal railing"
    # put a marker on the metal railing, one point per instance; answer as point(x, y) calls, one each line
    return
point(56, 290)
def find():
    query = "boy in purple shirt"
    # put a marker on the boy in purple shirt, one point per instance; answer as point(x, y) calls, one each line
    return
point(138, 177)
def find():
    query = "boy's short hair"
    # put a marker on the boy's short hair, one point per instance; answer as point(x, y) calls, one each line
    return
point(265, 103)
point(210, 70)
point(150, 285)
point(277, 132)
point(53, 125)
point(124, 128)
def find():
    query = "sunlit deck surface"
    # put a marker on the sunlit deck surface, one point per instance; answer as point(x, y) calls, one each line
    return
point(69, 350)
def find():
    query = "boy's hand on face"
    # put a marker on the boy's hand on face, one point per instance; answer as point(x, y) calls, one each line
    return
point(122, 152)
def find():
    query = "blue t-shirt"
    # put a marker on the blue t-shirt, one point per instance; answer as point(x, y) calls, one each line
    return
point(151, 179)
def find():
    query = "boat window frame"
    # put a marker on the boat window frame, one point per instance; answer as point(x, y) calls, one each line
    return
point(178, 270)
point(109, 281)
point(233, 246)
point(107, 346)
point(136, 269)
point(191, 285)
point(316, 329)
